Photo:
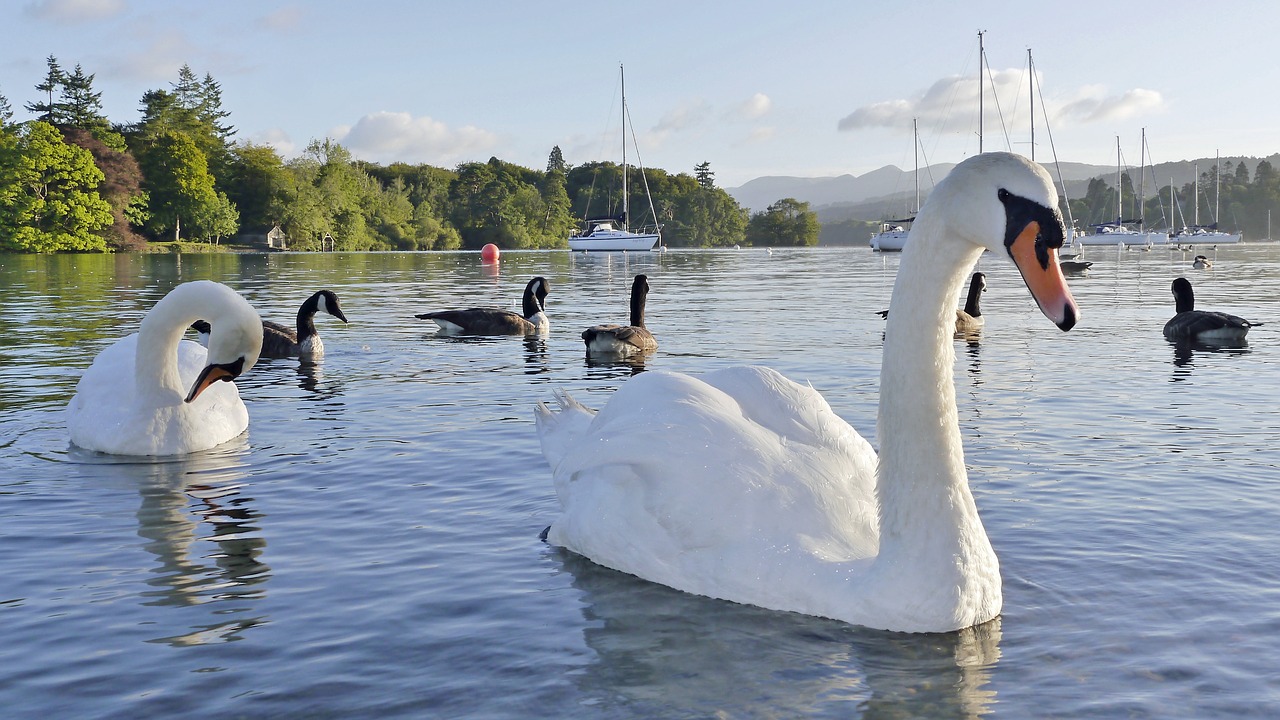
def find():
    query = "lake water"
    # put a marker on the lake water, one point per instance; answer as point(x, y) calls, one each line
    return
point(369, 548)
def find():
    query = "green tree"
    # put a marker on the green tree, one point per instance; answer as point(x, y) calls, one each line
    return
point(555, 161)
point(6, 112)
point(258, 185)
point(121, 187)
point(50, 111)
point(706, 178)
point(49, 200)
point(180, 188)
point(786, 222)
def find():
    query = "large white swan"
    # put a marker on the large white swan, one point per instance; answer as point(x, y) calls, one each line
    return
point(153, 393)
point(745, 486)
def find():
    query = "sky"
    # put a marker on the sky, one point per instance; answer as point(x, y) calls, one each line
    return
point(753, 87)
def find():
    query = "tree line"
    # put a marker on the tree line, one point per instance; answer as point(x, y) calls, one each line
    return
point(73, 181)
point(1241, 203)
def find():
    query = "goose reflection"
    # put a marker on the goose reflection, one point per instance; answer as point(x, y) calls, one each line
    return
point(1184, 354)
point(311, 378)
point(659, 652)
point(537, 359)
point(203, 533)
point(612, 366)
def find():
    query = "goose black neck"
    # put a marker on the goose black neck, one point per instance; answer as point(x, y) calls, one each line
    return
point(639, 290)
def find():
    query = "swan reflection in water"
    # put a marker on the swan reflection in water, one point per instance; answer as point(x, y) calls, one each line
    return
point(661, 652)
point(204, 534)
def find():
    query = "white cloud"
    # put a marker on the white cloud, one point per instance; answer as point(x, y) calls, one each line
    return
point(73, 11)
point(959, 95)
point(157, 60)
point(400, 137)
point(757, 106)
point(1093, 106)
point(760, 134)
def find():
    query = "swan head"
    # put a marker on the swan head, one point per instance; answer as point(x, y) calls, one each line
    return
point(1008, 205)
point(235, 342)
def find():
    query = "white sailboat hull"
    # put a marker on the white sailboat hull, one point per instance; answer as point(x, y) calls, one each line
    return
point(889, 241)
point(613, 240)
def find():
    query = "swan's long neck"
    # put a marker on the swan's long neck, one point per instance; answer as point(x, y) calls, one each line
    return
point(927, 512)
point(156, 360)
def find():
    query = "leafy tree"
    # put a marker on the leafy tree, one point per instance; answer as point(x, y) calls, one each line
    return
point(182, 196)
point(786, 222)
point(121, 187)
point(555, 162)
point(258, 184)
point(6, 112)
point(49, 200)
point(50, 111)
point(706, 178)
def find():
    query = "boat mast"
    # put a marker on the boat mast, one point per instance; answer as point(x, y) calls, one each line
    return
point(1142, 184)
point(915, 145)
point(982, 61)
point(1119, 197)
point(1031, 90)
point(622, 75)
point(1196, 169)
point(1217, 187)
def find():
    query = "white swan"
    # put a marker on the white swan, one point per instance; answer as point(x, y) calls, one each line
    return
point(152, 393)
point(745, 486)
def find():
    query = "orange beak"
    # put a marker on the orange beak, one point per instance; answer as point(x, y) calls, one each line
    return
point(1043, 276)
point(210, 375)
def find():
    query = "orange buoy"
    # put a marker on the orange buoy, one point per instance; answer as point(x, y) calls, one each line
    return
point(489, 253)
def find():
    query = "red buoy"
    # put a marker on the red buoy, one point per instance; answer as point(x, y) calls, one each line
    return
point(489, 253)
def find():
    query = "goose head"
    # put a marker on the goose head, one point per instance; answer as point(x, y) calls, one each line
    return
point(325, 301)
point(535, 296)
point(1184, 297)
point(1007, 204)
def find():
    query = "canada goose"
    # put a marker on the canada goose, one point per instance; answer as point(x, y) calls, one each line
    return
point(1201, 263)
point(495, 321)
point(1202, 325)
point(969, 319)
point(624, 339)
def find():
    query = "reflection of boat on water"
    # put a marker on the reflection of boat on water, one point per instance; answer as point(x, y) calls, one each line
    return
point(613, 232)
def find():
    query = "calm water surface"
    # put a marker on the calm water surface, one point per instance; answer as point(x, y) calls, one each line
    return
point(369, 548)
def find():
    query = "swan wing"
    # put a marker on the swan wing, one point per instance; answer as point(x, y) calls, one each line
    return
point(730, 485)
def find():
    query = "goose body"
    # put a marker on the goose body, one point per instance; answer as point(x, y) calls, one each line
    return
point(1202, 325)
point(743, 485)
point(152, 393)
point(1075, 267)
point(1201, 263)
point(495, 321)
point(624, 340)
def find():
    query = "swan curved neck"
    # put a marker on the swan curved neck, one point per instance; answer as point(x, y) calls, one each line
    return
point(156, 359)
point(923, 485)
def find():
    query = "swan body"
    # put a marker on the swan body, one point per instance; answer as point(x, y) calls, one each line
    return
point(624, 340)
point(745, 486)
point(495, 321)
point(152, 393)
point(1202, 325)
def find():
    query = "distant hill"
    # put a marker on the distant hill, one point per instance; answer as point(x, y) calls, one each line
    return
point(889, 191)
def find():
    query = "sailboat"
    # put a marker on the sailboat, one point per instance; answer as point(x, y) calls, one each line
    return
point(613, 232)
point(1116, 232)
point(1198, 233)
point(893, 233)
